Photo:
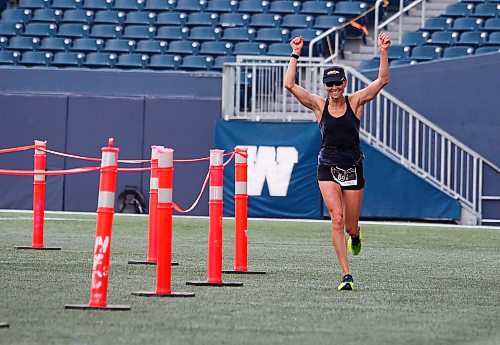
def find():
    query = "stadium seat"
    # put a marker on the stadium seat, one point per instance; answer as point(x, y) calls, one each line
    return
point(73, 30)
point(443, 38)
point(23, 43)
point(485, 11)
point(398, 51)
point(183, 47)
point(65, 59)
point(202, 19)
point(471, 38)
point(284, 7)
point(55, 44)
point(373, 63)
point(17, 15)
point(466, 24)
point(238, 34)
point(196, 63)
point(459, 10)
point(9, 57)
point(109, 17)
point(249, 48)
point(140, 18)
point(10, 29)
point(253, 6)
point(227, 20)
point(139, 32)
point(279, 49)
point(413, 39)
point(272, 35)
point(130, 61)
point(219, 62)
point(106, 31)
point(87, 45)
point(492, 24)
point(66, 4)
point(261, 20)
point(190, 5)
point(157, 5)
point(425, 53)
point(33, 4)
point(317, 7)
point(328, 22)
point(128, 5)
point(35, 59)
point(100, 60)
point(216, 48)
point(164, 62)
point(308, 34)
point(450, 52)
point(204, 33)
point(171, 18)
point(402, 62)
point(171, 33)
point(40, 29)
point(493, 40)
point(3, 42)
point(488, 50)
point(119, 45)
point(297, 21)
point(78, 16)
point(47, 15)
point(436, 24)
point(349, 9)
point(97, 5)
point(151, 47)
point(221, 6)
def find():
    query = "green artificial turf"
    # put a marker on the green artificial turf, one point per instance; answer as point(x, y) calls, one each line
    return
point(416, 285)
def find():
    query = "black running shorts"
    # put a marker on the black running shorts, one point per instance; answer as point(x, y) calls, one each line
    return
point(349, 177)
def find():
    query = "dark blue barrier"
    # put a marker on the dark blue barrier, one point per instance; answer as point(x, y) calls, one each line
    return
point(391, 191)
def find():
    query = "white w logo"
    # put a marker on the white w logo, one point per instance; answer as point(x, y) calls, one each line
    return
point(273, 165)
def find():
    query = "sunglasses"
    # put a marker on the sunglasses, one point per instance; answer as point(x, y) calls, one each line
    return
point(336, 83)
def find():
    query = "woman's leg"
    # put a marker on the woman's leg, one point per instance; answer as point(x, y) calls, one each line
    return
point(332, 195)
point(352, 200)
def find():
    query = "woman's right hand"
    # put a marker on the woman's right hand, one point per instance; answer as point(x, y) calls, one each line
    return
point(297, 43)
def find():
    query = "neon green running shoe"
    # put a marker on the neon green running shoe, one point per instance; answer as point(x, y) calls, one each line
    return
point(347, 283)
point(354, 244)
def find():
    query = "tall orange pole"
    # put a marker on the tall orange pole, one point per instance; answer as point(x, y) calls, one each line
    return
point(215, 223)
point(241, 213)
point(102, 246)
point(40, 165)
point(164, 222)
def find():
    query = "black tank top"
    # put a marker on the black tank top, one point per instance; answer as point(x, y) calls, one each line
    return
point(339, 138)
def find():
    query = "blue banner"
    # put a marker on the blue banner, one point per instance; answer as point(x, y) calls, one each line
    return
point(282, 160)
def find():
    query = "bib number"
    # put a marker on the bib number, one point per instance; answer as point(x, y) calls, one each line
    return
point(345, 177)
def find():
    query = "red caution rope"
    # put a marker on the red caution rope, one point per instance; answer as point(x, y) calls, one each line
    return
point(177, 207)
point(48, 173)
point(17, 149)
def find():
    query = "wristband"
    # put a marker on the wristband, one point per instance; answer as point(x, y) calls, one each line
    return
point(295, 56)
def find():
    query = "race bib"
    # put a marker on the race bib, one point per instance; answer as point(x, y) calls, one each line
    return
point(345, 177)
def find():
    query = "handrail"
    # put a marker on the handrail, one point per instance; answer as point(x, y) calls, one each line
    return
point(399, 14)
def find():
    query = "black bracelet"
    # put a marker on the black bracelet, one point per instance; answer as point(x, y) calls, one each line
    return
point(295, 56)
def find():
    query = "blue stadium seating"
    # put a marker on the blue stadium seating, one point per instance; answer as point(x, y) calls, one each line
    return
point(308, 34)
point(9, 57)
point(68, 59)
point(284, 7)
point(33, 4)
point(221, 6)
point(349, 9)
point(398, 51)
point(40, 29)
point(164, 62)
point(216, 48)
point(55, 44)
point(437, 24)
point(17, 15)
point(296, 21)
point(183, 47)
point(106, 31)
point(151, 47)
point(47, 15)
point(253, 6)
point(485, 11)
point(472, 38)
point(66, 4)
point(493, 40)
point(265, 20)
point(73, 30)
point(413, 39)
point(109, 17)
point(202, 18)
point(20, 43)
point(139, 32)
point(443, 38)
point(487, 50)
point(402, 62)
point(279, 49)
point(119, 45)
point(96, 5)
point(140, 18)
point(249, 48)
point(171, 33)
point(10, 29)
point(238, 34)
point(492, 24)
point(190, 5)
point(328, 22)
point(272, 35)
point(87, 45)
point(171, 18)
point(78, 16)
point(219, 61)
point(233, 19)
point(157, 5)
point(466, 24)
point(204, 33)
point(197, 63)
point(425, 53)
point(450, 52)
point(132, 61)
point(317, 7)
point(100, 60)
point(35, 58)
point(128, 5)
point(459, 10)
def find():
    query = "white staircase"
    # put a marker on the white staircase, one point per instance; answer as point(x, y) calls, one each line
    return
point(356, 51)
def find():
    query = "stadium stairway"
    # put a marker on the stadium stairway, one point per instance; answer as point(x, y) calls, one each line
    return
point(355, 51)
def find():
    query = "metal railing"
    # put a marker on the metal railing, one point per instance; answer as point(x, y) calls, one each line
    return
point(253, 90)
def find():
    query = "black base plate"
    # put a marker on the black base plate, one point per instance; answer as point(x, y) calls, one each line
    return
point(154, 294)
point(4, 325)
point(145, 262)
point(242, 272)
point(37, 248)
point(205, 283)
point(116, 307)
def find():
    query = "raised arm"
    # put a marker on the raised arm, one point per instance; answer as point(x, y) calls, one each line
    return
point(369, 92)
point(307, 99)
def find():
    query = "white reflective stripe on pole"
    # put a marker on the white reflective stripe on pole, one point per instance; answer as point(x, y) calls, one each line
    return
point(239, 158)
point(240, 188)
point(106, 199)
point(216, 157)
point(165, 195)
point(153, 183)
point(108, 159)
point(39, 177)
point(40, 143)
point(166, 159)
point(216, 192)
